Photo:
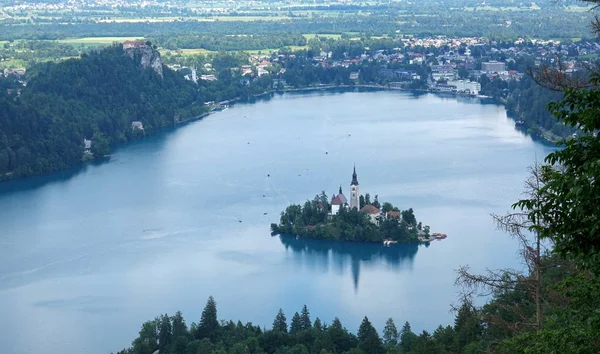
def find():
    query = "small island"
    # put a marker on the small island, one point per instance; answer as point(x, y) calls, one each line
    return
point(359, 220)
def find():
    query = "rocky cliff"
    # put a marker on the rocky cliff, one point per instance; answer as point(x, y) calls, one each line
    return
point(145, 56)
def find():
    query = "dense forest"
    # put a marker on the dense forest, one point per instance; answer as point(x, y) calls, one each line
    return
point(97, 98)
point(312, 220)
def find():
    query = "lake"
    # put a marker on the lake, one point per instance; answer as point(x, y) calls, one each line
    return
point(87, 255)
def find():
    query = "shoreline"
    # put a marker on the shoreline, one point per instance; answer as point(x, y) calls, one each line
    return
point(9, 176)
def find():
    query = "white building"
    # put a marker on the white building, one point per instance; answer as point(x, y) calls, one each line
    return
point(493, 67)
point(337, 202)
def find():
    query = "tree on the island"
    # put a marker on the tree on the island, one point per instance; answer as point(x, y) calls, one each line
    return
point(426, 230)
point(390, 333)
point(387, 207)
point(367, 199)
point(280, 322)
point(147, 342)
point(165, 333)
point(376, 202)
point(407, 338)
point(368, 339)
point(209, 325)
point(409, 216)
point(419, 226)
point(179, 326)
point(305, 322)
point(296, 324)
point(361, 201)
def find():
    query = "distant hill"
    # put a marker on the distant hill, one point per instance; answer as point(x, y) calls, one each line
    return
point(109, 97)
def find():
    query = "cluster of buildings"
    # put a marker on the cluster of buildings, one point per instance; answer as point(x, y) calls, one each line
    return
point(339, 201)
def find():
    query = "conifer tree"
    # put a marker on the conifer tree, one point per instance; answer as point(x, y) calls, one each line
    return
point(390, 333)
point(318, 326)
point(368, 339)
point(209, 325)
point(179, 326)
point(407, 338)
point(305, 322)
point(165, 333)
point(296, 325)
point(280, 322)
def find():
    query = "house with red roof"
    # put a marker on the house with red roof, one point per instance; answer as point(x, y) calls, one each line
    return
point(373, 212)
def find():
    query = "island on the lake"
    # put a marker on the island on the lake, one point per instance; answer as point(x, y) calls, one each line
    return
point(357, 220)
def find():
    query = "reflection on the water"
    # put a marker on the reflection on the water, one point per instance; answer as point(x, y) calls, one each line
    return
point(320, 253)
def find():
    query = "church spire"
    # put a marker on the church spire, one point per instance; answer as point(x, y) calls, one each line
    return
point(354, 178)
point(341, 190)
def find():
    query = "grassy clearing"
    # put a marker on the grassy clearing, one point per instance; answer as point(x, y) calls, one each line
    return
point(13, 64)
point(186, 52)
point(138, 20)
point(312, 35)
point(243, 18)
point(96, 41)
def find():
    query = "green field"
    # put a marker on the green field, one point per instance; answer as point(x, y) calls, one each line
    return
point(96, 41)
point(186, 51)
point(13, 64)
point(312, 35)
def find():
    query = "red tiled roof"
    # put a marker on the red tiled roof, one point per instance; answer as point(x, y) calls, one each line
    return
point(339, 200)
point(393, 214)
point(370, 209)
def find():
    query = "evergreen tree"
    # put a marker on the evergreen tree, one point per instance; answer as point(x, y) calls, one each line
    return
point(280, 322)
point(467, 325)
point(179, 327)
point(209, 325)
point(407, 338)
point(390, 333)
point(305, 322)
point(318, 326)
point(296, 325)
point(368, 339)
point(165, 333)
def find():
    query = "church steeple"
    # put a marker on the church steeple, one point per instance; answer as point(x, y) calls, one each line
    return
point(354, 179)
point(341, 190)
point(354, 191)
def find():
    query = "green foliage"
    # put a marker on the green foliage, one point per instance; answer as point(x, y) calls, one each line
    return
point(209, 325)
point(570, 195)
point(312, 220)
point(390, 333)
point(96, 97)
point(280, 322)
point(368, 339)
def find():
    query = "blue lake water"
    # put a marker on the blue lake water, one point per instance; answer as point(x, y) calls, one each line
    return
point(86, 256)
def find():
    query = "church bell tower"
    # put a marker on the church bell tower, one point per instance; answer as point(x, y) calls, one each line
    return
point(354, 191)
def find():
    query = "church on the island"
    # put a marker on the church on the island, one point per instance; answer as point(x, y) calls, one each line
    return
point(340, 200)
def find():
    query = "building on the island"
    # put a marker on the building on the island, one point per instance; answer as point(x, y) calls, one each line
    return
point(337, 201)
point(394, 215)
point(373, 212)
point(354, 190)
